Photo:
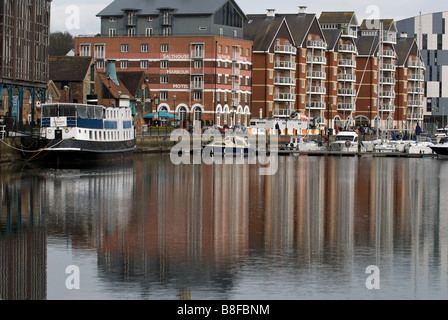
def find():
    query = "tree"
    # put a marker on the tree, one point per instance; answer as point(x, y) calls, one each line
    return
point(61, 43)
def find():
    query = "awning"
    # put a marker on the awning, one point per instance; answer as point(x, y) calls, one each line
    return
point(160, 115)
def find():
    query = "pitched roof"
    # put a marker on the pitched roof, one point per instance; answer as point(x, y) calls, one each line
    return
point(334, 17)
point(262, 30)
point(132, 80)
point(404, 48)
point(300, 25)
point(151, 7)
point(367, 45)
point(115, 88)
point(65, 68)
point(373, 24)
point(332, 37)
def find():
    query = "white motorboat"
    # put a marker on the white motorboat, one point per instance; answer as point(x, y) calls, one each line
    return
point(300, 144)
point(346, 141)
point(420, 147)
point(232, 145)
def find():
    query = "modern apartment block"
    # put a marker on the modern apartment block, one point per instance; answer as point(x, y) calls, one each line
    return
point(289, 64)
point(432, 38)
point(340, 31)
point(197, 63)
point(24, 65)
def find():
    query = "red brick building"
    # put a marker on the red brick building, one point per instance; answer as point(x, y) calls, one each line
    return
point(203, 75)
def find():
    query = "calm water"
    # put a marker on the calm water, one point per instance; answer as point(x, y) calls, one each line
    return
point(153, 230)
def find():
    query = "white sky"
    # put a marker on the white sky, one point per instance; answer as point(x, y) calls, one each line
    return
point(80, 17)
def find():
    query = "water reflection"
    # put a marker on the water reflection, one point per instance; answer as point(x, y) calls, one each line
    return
point(159, 231)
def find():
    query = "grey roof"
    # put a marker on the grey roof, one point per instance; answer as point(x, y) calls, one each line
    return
point(150, 7)
point(343, 17)
point(332, 37)
point(262, 30)
point(367, 45)
point(300, 25)
point(404, 48)
point(388, 24)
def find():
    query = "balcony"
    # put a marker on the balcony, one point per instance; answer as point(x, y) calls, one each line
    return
point(346, 107)
point(316, 44)
point(284, 97)
point(415, 116)
point(389, 67)
point(415, 103)
point(349, 33)
point(415, 64)
point(316, 75)
point(316, 90)
point(389, 38)
point(347, 48)
point(386, 94)
point(235, 86)
point(285, 65)
point(388, 54)
point(347, 77)
point(388, 80)
point(386, 107)
point(285, 49)
point(316, 105)
point(416, 77)
point(281, 113)
point(347, 63)
point(415, 90)
point(236, 71)
point(316, 59)
point(284, 81)
point(346, 92)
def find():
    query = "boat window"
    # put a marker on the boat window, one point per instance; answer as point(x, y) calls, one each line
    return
point(344, 138)
point(67, 110)
point(49, 111)
point(82, 112)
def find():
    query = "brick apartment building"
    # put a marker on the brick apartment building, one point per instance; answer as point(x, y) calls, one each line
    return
point(197, 64)
point(289, 63)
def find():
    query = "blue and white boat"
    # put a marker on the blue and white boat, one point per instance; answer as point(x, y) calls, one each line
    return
point(233, 145)
point(76, 133)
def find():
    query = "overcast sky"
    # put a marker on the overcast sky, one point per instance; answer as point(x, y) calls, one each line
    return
point(80, 17)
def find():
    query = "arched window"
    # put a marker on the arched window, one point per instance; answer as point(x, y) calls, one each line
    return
point(183, 113)
point(197, 113)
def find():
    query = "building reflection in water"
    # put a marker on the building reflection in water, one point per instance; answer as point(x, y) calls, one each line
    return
point(22, 238)
point(221, 231)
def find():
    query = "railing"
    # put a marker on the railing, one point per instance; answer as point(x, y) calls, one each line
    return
point(346, 77)
point(346, 106)
point(288, 49)
point(415, 116)
point(388, 80)
point(347, 92)
point(284, 81)
point(316, 59)
point(2, 132)
point(316, 105)
point(346, 63)
point(317, 44)
point(318, 90)
point(316, 75)
point(349, 32)
point(386, 108)
point(347, 48)
point(285, 65)
point(415, 64)
point(415, 90)
point(285, 97)
point(283, 112)
point(155, 131)
point(416, 77)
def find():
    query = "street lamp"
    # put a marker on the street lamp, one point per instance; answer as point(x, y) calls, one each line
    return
point(156, 102)
point(108, 86)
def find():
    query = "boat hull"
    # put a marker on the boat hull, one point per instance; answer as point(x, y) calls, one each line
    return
point(73, 152)
point(441, 150)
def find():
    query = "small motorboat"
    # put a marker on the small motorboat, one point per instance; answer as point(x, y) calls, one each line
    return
point(234, 145)
point(346, 141)
point(300, 144)
point(441, 149)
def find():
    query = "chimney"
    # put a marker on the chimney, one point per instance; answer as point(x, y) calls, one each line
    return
point(270, 13)
point(302, 10)
point(112, 71)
